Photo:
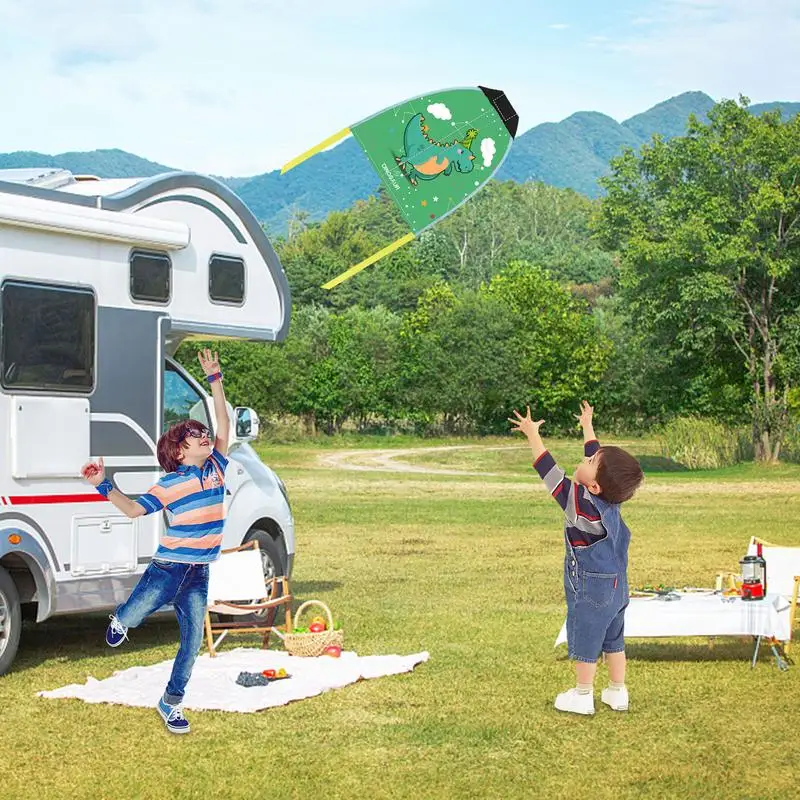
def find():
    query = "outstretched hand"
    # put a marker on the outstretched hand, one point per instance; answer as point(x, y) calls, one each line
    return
point(525, 424)
point(585, 417)
point(94, 473)
point(208, 361)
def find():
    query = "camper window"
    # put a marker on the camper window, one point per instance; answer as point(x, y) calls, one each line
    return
point(151, 277)
point(48, 337)
point(181, 400)
point(226, 279)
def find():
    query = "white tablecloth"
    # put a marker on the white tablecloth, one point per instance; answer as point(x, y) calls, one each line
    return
point(704, 615)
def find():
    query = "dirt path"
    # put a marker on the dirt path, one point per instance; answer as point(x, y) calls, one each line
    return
point(389, 460)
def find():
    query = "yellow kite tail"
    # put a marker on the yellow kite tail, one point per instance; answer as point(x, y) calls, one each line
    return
point(367, 261)
point(316, 149)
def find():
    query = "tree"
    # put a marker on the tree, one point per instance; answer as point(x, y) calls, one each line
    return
point(321, 251)
point(556, 355)
point(342, 367)
point(708, 228)
point(508, 221)
point(454, 361)
point(363, 345)
point(299, 220)
point(256, 373)
point(471, 356)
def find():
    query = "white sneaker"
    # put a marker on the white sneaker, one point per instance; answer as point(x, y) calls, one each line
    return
point(617, 699)
point(574, 702)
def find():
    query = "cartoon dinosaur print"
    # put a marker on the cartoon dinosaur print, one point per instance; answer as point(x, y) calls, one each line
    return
point(425, 159)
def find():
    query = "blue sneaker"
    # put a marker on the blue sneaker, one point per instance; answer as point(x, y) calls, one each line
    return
point(173, 717)
point(116, 633)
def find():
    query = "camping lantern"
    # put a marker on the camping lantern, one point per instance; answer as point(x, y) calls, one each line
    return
point(754, 576)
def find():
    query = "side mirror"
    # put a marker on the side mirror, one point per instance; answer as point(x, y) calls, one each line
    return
point(246, 423)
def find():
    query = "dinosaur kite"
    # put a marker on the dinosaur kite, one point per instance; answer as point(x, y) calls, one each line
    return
point(432, 153)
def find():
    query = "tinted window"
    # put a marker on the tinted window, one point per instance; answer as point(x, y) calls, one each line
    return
point(150, 277)
point(47, 337)
point(181, 400)
point(226, 279)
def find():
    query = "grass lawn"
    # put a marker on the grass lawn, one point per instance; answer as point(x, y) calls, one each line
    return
point(468, 568)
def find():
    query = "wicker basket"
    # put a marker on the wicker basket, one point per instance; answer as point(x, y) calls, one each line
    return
point(312, 644)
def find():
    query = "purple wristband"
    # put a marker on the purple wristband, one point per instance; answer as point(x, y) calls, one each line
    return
point(214, 377)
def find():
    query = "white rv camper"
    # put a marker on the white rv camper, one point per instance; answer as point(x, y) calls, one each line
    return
point(100, 281)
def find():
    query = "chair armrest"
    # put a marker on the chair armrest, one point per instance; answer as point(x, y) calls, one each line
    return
point(281, 601)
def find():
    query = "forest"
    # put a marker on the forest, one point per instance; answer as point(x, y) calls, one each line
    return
point(672, 302)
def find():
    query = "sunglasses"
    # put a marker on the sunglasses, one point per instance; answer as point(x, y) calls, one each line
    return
point(196, 433)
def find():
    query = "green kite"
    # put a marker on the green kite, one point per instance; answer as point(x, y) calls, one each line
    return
point(431, 153)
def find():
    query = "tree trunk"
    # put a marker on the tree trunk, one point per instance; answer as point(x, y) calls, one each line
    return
point(769, 415)
point(769, 409)
point(462, 251)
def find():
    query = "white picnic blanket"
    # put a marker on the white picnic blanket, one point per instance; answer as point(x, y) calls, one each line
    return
point(704, 615)
point(213, 683)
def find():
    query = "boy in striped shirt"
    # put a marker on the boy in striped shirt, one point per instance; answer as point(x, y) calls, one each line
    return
point(596, 562)
point(193, 495)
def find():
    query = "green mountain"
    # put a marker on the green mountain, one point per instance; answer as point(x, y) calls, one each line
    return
point(788, 110)
point(330, 181)
point(670, 117)
point(572, 153)
point(103, 163)
point(575, 153)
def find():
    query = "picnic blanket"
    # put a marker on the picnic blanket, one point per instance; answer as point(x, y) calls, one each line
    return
point(704, 615)
point(213, 684)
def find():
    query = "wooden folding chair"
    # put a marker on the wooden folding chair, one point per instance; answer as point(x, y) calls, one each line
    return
point(783, 573)
point(237, 574)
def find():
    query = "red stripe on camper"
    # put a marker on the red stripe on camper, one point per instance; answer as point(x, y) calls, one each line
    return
point(52, 499)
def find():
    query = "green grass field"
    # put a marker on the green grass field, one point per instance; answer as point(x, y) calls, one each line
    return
point(469, 569)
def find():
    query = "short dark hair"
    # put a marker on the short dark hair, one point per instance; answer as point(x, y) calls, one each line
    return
point(618, 474)
point(169, 445)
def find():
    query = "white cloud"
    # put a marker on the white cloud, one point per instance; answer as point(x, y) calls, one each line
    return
point(488, 150)
point(238, 88)
point(722, 47)
point(234, 89)
point(440, 111)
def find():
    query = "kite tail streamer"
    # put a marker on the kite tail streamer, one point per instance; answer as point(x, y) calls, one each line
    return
point(396, 245)
point(323, 145)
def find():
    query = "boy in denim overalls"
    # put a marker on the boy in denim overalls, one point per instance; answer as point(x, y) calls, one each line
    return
point(596, 562)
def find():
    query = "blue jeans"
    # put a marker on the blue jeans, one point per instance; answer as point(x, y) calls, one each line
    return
point(186, 587)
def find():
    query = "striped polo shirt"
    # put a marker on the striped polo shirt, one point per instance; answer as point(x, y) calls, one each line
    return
point(194, 500)
point(582, 524)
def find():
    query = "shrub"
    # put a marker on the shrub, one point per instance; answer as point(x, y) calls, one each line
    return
point(705, 444)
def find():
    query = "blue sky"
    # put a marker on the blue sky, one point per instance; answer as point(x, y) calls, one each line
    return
point(238, 87)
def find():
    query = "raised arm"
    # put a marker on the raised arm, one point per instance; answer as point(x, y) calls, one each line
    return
point(530, 428)
point(575, 500)
point(590, 443)
point(553, 476)
point(96, 475)
point(210, 363)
